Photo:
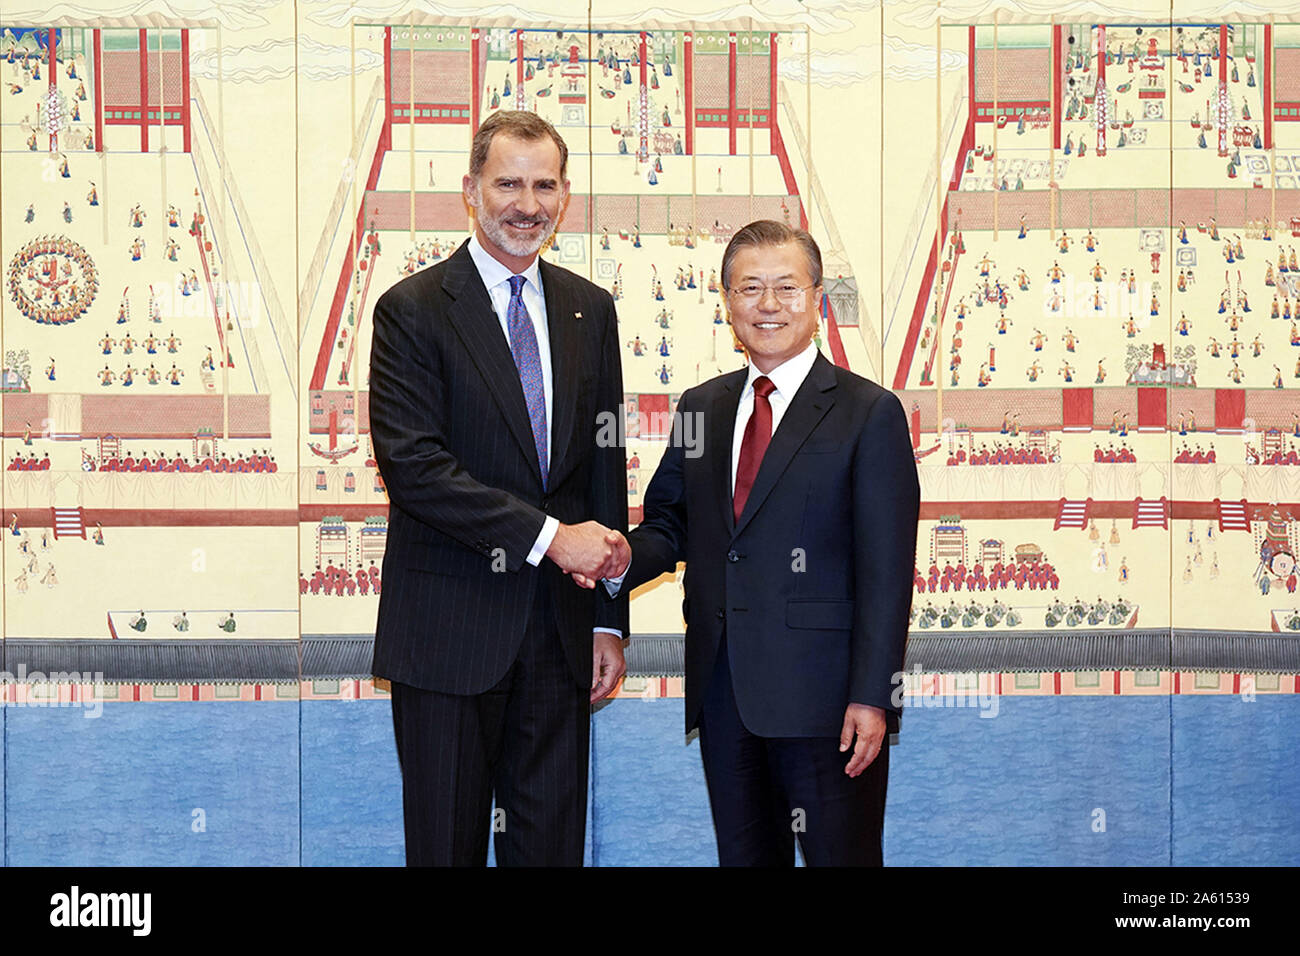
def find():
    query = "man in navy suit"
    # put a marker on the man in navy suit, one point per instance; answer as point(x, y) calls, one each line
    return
point(797, 522)
point(493, 376)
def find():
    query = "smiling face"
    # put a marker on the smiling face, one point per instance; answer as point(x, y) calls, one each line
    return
point(771, 329)
point(517, 197)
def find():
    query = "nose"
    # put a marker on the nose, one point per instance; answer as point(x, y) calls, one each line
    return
point(768, 301)
point(527, 201)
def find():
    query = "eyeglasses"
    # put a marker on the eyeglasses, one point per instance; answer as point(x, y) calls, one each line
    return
point(786, 292)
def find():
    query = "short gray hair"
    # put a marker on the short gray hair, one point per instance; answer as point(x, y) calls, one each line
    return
point(520, 124)
point(769, 232)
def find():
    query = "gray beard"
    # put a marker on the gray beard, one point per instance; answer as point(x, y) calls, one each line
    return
point(493, 229)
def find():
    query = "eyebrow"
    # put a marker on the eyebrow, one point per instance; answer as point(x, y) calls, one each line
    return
point(748, 276)
point(515, 179)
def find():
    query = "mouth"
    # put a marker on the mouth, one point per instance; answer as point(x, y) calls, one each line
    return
point(526, 225)
point(769, 326)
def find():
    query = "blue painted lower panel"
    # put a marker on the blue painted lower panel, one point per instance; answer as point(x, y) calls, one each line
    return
point(351, 785)
point(153, 784)
point(4, 765)
point(1050, 780)
point(1236, 781)
point(652, 807)
point(1047, 781)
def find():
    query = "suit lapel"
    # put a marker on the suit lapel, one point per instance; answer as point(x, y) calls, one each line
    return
point(475, 321)
point(720, 436)
point(810, 404)
point(562, 327)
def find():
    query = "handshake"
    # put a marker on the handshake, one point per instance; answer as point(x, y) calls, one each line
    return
point(589, 551)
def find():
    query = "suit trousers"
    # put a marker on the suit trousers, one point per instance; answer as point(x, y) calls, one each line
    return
point(765, 791)
point(524, 741)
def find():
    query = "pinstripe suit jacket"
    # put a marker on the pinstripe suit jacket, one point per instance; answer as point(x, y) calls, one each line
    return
point(455, 448)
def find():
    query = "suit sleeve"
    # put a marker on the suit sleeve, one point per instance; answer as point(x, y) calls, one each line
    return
point(886, 507)
point(659, 541)
point(421, 475)
point(609, 464)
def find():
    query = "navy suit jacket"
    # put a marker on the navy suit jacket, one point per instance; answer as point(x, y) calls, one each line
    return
point(813, 585)
point(455, 449)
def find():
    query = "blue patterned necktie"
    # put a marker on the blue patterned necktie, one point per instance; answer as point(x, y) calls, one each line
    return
point(523, 346)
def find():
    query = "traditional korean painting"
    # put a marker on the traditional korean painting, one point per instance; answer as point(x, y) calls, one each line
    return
point(1063, 235)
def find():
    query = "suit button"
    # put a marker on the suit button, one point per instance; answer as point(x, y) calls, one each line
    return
point(546, 504)
point(722, 615)
point(733, 557)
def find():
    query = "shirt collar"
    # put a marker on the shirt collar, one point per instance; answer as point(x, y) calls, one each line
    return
point(493, 273)
point(789, 375)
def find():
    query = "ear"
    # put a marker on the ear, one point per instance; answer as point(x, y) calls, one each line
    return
point(470, 188)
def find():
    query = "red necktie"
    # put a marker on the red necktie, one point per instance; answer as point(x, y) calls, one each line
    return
point(758, 432)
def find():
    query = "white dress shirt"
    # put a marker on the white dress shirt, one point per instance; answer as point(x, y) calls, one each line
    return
point(496, 277)
point(787, 377)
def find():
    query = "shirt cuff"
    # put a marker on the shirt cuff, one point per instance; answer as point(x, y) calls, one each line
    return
point(608, 630)
point(543, 542)
point(614, 585)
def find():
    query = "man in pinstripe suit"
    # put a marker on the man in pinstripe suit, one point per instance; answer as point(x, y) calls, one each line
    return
point(491, 374)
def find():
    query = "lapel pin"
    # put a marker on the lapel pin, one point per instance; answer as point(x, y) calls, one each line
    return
point(577, 315)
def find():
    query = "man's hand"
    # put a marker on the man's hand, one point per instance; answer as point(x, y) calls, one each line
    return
point(582, 581)
point(607, 664)
point(869, 724)
point(620, 559)
point(589, 552)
